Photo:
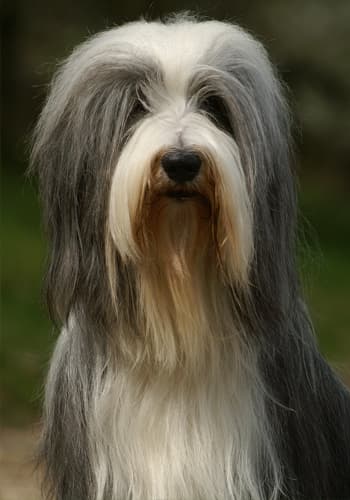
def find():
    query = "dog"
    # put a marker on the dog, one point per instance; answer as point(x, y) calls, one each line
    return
point(186, 367)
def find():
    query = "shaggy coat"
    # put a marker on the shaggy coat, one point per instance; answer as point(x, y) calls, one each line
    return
point(186, 368)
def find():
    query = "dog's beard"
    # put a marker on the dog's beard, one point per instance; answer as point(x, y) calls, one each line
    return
point(175, 282)
point(184, 319)
point(175, 235)
point(173, 228)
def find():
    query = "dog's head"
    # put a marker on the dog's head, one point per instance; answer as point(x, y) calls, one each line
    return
point(162, 145)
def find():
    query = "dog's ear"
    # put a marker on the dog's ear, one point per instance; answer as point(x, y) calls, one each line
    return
point(256, 102)
point(266, 147)
point(264, 137)
point(75, 148)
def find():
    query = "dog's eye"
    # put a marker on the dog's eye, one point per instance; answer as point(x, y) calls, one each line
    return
point(138, 109)
point(217, 111)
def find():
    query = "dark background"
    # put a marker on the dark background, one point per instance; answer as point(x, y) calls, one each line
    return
point(308, 40)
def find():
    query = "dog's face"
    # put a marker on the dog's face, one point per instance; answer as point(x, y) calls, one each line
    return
point(178, 182)
point(186, 167)
point(162, 147)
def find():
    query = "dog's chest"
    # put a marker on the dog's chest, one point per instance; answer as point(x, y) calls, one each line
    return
point(172, 443)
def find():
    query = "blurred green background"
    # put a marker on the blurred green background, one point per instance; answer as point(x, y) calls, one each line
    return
point(309, 41)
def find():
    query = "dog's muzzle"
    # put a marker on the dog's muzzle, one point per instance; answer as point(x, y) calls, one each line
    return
point(181, 166)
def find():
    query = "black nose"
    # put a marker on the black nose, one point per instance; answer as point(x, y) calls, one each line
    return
point(181, 166)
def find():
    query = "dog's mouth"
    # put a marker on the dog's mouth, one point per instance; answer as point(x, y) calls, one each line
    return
point(181, 194)
point(187, 196)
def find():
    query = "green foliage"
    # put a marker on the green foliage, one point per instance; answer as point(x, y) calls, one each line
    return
point(25, 328)
point(326, 269)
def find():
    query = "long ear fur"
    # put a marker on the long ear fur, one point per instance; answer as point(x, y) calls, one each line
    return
point(76, 144)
